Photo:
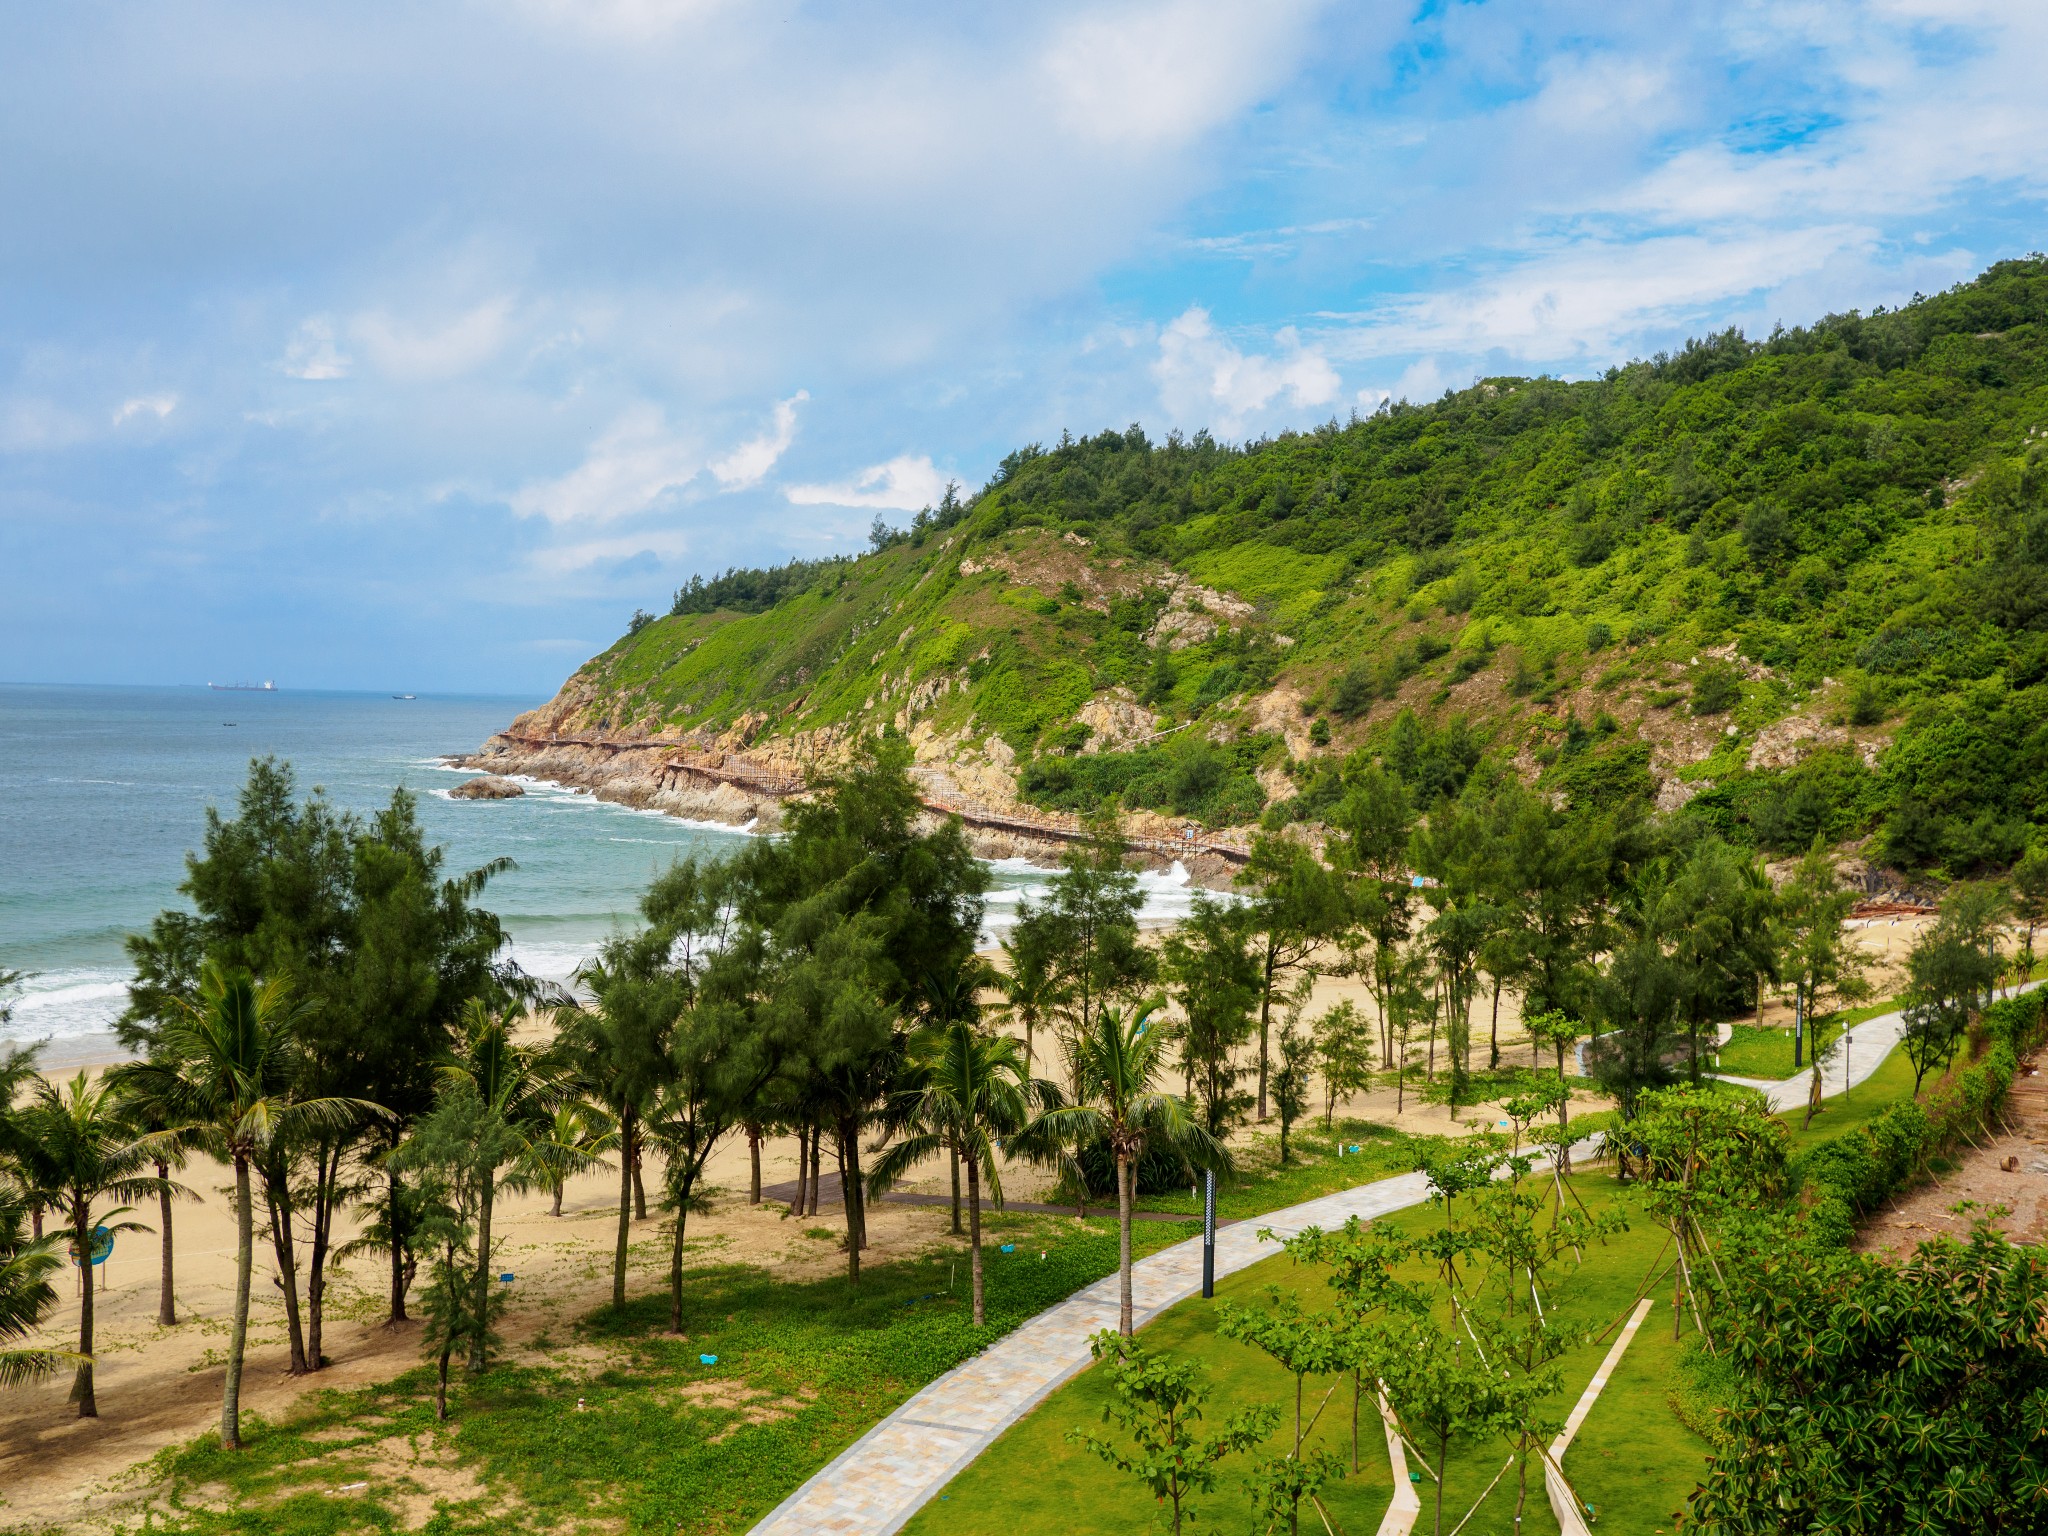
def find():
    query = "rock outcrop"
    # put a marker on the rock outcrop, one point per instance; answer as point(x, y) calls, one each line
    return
point(489, 787)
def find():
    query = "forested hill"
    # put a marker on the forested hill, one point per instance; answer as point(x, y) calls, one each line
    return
point(1790, 586)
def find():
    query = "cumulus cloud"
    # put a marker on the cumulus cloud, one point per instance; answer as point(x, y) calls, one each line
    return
point(903, 484)
point(638, 460)
point(1205, 380)
point(749, 463)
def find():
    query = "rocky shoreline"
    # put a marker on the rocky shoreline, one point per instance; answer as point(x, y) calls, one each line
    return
point(656, 776)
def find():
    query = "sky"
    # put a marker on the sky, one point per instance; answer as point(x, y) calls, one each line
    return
point(417, 345)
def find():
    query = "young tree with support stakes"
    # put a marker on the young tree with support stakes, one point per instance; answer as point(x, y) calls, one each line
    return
point(1949, 975)
point(1118, 1064)
point(1343, 1052)
point(1158, 1401)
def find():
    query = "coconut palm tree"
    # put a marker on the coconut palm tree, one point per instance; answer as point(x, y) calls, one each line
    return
point(575, 1140)
point(1031, 991)
point(86, 1153)
point(1117, 1061)
point(964, 1091)
point(224, 1069)
point(26, 1295)
point(520, 1088)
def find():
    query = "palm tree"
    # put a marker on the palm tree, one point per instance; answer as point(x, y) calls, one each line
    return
point(26, 1296)
point(85, 1151)
point(953, 996)
point(575, 1139)
point(1030, 990)
point(520, 1089)
point(1116, 1063)
point(964, 1090)
point(225, 1069)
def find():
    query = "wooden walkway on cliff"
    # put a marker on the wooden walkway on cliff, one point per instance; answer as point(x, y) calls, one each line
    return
point(724, 768)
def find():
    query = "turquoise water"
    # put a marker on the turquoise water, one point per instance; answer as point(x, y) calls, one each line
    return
point(102, 791)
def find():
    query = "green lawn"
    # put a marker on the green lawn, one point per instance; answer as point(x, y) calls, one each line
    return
point(1761, 1053)
point(665, 1443)
point(1863, 1103)
point(1635, 1459)
point(1314, 1168)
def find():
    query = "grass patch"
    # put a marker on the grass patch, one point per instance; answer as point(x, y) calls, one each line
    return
point(1313, 1168)
point(1634, 1458)
point(1761, 1053)
point(1845, 1112)
point(664, 1442)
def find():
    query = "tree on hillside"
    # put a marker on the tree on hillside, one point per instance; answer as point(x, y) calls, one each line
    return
point(1297, 909)
point(1119, 1063)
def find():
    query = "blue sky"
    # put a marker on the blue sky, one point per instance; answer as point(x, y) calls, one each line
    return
point(415, 345)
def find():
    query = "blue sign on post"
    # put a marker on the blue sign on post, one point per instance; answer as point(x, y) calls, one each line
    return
point(102, 1246)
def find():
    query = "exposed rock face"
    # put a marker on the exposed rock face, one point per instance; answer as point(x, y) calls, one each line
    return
point(489, 787)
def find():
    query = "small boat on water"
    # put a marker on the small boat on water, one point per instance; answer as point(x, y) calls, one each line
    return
point(405, 695)
point(266, 686)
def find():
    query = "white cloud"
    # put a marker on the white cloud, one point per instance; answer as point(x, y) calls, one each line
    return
point(434, 350)
point(749, 463)
point(566, 559)
point(904, 484)
point(1140, 76)
point(629, 468)
point(1206, 381)
point(312, 353)
point(156, 407)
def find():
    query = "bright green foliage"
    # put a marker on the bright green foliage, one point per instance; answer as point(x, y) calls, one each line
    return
point(1854, 500)
point(1157, 1400)
point(26, 1295)
point(1950, 971)
point(1217, 982)
point(1878, 1399)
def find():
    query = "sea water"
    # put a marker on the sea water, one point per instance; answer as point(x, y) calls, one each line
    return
point(104, 790)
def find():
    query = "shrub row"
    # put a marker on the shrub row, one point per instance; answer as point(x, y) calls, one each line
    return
point(1845, 1180)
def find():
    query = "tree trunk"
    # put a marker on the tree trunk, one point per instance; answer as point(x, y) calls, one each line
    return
point(287, 1269)
point(398, 1273)
point(1124, 1181)
point(1265, 1028)
point(558, 1197)
point(1493, 1064)
point(625, 1211)
point(81, 1388)
point(754, 1157)
point(974, 1237)
point(324, 1199)
point(166, 1298)
point(675, 1258)
point(849, 1184)
point(238, 1332)
point(817, 1168)
point(477, 1340)
point(639, 1189)
point(953, 1154)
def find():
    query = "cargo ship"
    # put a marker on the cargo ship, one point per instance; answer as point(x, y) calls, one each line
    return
point(266, 686)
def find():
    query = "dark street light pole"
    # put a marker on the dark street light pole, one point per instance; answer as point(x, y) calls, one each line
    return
point(1208, 1232)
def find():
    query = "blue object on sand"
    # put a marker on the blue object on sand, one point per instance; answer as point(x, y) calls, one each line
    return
point(505, 1278)
point(707, 1359)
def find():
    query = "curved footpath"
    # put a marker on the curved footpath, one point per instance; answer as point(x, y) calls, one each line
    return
point(876, 1484)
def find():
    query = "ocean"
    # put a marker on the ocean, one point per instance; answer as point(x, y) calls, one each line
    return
point(103, 791)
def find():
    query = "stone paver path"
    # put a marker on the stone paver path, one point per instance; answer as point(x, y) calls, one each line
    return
point(883, 1478)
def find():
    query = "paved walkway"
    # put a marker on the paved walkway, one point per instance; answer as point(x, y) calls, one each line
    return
point(883, 1478)
point(1862, 1051)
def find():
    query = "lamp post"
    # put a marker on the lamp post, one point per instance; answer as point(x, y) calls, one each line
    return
point(1208, 1233)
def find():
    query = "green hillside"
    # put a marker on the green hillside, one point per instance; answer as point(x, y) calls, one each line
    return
point(1840, 532)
